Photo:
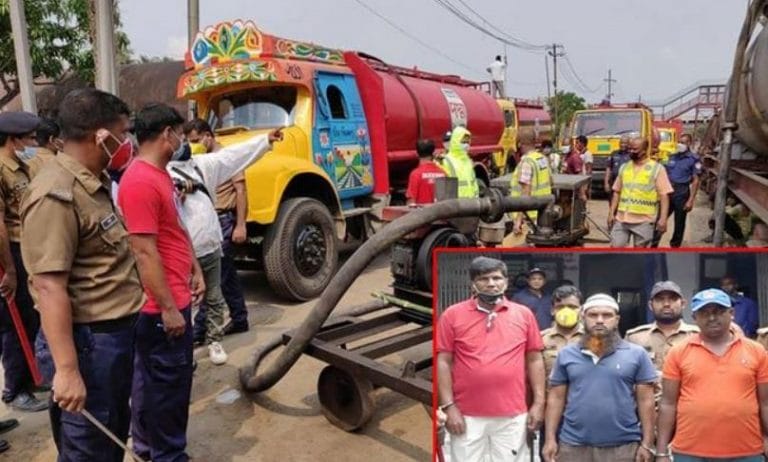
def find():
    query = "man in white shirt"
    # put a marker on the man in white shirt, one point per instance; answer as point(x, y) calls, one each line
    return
point(197, 179)
point(498, 70)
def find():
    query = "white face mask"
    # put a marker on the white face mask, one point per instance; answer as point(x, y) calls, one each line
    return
point(27, 154)
point(465, 147)
point(682, 147)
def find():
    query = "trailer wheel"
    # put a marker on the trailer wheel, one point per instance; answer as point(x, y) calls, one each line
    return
point(346, 399)
point(300, 249)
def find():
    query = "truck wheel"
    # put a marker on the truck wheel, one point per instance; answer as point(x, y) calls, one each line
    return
point(300, 249)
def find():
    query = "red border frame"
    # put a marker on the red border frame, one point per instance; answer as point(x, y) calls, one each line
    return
point(539, 250)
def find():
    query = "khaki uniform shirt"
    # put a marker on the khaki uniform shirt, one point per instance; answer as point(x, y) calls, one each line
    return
point(36, 163)
point(226, 196)
point(656, 344)
point(14, 179)
point(70, 225)
point(762, 337)
point(554, 341)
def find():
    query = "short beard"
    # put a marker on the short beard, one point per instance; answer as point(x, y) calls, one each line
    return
point(600, 344)
point(668, 321)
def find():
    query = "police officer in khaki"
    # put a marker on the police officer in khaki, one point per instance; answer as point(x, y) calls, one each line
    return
point(668, 329)
point(566, 304)
point(84, 277)
point(17, 146)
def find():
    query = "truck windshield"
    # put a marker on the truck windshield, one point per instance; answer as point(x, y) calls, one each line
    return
point(607, 123)
point(666, 137)
point(254, 108)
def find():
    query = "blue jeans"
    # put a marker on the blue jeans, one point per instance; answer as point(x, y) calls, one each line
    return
point(105, 360)
point(685, 458)
point(162, 384)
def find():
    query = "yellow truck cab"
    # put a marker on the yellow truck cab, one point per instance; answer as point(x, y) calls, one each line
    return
point(604, 126)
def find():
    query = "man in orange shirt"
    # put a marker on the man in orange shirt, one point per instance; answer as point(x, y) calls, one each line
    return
point(715, 391)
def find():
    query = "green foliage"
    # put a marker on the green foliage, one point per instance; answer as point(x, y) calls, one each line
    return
point(60, 39)
point(567, 103)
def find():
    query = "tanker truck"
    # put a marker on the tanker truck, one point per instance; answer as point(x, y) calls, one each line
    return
point(740, 131)
point(351, 123)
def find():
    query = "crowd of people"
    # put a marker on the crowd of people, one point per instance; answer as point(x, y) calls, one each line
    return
point(696, 392)
point(111, 233)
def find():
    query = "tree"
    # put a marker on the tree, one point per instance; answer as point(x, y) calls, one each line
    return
point(60, 41)
point(566, 103)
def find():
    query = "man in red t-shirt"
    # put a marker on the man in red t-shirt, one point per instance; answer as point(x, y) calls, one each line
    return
point(488, 349)
point(172, 280)
point(421, 181)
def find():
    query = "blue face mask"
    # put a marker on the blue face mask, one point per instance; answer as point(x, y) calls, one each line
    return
point(27, 154)
point(184, 151)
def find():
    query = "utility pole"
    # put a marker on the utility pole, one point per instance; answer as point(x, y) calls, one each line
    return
point(23, 63)
point(193, 25)
point(106, 75)
point(610, 81)
point(556, 54)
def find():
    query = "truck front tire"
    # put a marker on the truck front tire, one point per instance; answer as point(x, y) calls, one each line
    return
point(300, 249)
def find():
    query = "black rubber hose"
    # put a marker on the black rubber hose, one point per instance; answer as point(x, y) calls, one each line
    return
point(338, 286)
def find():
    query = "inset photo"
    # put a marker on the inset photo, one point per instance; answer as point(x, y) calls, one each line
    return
point(600, 356)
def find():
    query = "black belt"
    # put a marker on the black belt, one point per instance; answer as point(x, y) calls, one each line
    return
point(111, 325)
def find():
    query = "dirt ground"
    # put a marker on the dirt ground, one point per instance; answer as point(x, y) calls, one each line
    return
point(283, 424)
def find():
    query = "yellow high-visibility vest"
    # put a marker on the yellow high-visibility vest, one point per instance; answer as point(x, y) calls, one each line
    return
point(638, 188)
point(541, 180)
point(462, 168)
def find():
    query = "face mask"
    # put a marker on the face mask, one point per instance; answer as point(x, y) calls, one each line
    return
point(566, 150)
point(567, 317)
point(183, 152)
point(27, 154)
point(682, 147)
point(197, 148)
point(121, 156)
point(465, 147)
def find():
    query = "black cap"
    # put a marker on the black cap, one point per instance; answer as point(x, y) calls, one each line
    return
point(536, 270)
point(18, 123)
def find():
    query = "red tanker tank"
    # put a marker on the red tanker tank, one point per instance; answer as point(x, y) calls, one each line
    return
point(403, 105)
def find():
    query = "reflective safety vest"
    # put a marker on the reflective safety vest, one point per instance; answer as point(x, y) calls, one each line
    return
point(463, 169)
point(541, 180)
point(638, 188)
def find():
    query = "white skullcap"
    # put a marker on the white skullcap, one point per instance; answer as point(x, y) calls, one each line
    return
point(603, 300)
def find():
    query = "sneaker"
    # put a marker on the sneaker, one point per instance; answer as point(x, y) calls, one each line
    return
point(8, 425)
point(216, 353)
point(26, 402)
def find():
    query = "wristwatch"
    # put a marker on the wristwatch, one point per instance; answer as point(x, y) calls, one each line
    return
point(446, 406)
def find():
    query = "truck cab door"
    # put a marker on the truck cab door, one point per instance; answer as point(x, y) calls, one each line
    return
point(340, 140)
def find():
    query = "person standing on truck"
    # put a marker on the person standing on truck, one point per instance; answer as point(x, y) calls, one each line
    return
point(714, 391)
point(231, 207)
point(684, 169)
point(640, 199)
point(458, 163)
point(618, 158)
point(488, 354)
point(421, 181)
point(498, 71)
point(531, 178)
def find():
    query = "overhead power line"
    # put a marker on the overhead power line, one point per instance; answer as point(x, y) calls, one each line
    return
point(502, 37)
point(414, 38)
point(584, 86)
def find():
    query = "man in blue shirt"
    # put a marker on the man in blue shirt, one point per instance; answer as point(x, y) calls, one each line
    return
point(745, 309)
point(536, 299)
point(683, 169)
point(600, 405)
point(618, 158)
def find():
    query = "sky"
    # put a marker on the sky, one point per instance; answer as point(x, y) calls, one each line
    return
point(654, 48)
